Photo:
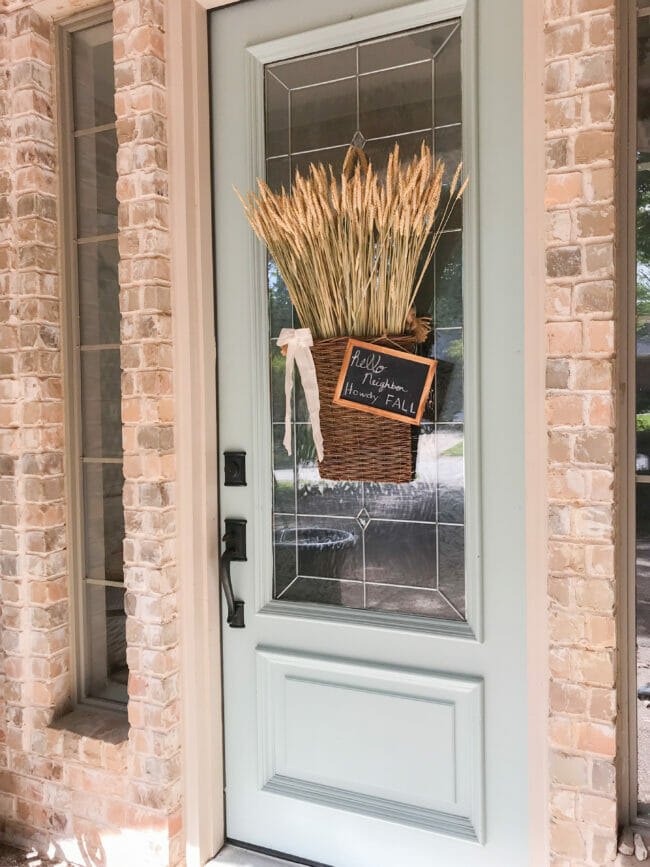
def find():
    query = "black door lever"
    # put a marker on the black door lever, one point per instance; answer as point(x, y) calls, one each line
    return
point(235, 539)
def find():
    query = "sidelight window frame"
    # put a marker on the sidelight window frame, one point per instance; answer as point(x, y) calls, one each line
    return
point(68, 269)
point(626, 267)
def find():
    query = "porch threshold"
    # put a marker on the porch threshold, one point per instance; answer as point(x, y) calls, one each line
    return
point(237, 856)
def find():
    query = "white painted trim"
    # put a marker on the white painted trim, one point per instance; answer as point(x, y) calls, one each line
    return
point(535, 432)
point(67, 271)
point(195, 429)
point(358, 29)
point(323, 39)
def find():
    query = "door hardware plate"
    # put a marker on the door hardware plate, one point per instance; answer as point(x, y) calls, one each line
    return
point(235, 538)
point(234, 469)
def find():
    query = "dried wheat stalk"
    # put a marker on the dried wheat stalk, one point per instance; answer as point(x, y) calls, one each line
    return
point(352, 251)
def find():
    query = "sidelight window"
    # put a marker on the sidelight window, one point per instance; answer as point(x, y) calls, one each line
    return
point(89, 172)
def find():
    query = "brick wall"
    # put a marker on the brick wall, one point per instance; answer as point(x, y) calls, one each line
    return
point(580, 293)
point(85, 786)
point(107, 793)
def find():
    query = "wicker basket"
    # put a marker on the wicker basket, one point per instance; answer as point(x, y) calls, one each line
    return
point(358, 446)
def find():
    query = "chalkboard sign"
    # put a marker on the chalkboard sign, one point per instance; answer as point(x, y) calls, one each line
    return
point(384, 381)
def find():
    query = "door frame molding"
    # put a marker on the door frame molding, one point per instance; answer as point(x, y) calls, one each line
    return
point(194, 354)
point(196, 429)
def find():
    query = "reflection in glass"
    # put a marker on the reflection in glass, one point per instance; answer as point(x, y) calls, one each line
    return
point(104, 521)
point(447, 81)
point(412, 47)
point(451, 564)
point(448, 263)
point(317, 68)
point(97, 363)
point(377, 150)
point(99, 302)
point(277, 174)
point(96, 161)
point(643, 252)
point(427, 603)
point(397, 548)
point(323, 115)
point(330, 548)
point(396, 101)
point(449, 374)
point(106, 632)
point(92, 76)
point(643, 642)
point(277, 116)
point(401, 552)
point(284, 484)
point(101, 400)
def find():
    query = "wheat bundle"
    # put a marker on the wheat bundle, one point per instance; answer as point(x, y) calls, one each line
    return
point(353, 250)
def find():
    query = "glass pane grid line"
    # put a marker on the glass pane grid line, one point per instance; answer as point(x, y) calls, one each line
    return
point(351, 517)
point(366, 584)
point(412, 32)
point(96, 239)
point(369, 140)
point(359, 581)
point(91, 347)
point(104, 582)
point(91, 130)
point(358, 74)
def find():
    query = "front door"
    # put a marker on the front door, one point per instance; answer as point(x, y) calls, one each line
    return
point(375, 699)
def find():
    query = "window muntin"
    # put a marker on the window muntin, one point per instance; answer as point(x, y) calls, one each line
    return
point(396, 548)
point(94, 362)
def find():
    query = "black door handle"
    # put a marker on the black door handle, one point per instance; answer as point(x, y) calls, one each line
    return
point(235, 539)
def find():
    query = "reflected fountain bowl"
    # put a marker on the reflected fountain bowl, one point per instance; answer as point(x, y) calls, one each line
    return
point(315, 538)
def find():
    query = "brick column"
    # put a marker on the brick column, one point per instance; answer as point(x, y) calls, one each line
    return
point(35, 617)
point(148, 409)
point(580, 413)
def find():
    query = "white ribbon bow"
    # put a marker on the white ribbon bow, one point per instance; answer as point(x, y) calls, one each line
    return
point(298, 342)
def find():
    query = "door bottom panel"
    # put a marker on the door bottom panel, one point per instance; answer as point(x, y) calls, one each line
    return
point(332, 732)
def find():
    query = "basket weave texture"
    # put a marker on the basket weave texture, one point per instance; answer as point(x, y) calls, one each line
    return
point(359, 446)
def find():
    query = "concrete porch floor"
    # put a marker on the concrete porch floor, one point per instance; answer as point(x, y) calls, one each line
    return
point(11, 857)
point(230, 856)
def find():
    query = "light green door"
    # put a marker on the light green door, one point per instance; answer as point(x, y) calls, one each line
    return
point(375, 701)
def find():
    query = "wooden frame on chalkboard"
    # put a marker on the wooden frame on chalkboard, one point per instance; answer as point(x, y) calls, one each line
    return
point(384, 350)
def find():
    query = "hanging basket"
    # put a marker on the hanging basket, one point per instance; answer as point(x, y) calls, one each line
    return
point(359, 446)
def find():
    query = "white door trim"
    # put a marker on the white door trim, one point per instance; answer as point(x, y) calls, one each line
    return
point(195, 388)
point(194, 351)
point(535, 432)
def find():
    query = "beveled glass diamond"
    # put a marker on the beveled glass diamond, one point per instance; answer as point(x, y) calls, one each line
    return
point(363, 519)
point(358, 139)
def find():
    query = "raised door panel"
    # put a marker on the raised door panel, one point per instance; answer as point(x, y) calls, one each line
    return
point(399, 744)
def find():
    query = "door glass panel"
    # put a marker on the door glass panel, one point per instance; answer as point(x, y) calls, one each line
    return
point(388, 547)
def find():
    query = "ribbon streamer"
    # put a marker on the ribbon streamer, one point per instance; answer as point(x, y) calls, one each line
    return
point(298, 342)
